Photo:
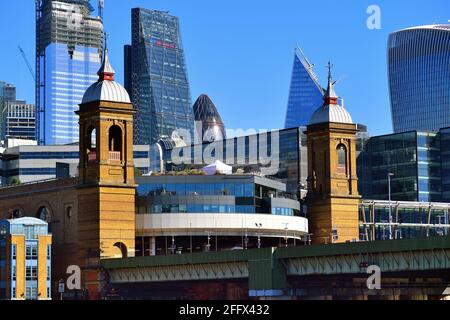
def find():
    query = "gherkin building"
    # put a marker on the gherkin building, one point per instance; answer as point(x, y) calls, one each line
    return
point(205, 111)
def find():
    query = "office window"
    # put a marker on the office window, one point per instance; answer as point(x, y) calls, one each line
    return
point(49, 272)
point(13, 271)
point(13, 292)
point(14, 251)
point(342, 158)
point(31, 252)
point(31, 293)
point(31, 273)
point(49, 252)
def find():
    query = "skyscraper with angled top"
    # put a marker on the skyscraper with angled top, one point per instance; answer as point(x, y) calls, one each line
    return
point(68, 55)
point(419, 78)
point(305, 93)
point(158, 84)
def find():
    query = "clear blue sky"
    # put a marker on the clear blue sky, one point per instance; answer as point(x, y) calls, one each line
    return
point(240, 52)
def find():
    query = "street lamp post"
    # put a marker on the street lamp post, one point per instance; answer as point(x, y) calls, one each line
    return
point(190, 235)
point(286, 236)
point(390, 174)
point(208, 246)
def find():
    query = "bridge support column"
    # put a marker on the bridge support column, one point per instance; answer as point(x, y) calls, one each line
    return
point(152, 248)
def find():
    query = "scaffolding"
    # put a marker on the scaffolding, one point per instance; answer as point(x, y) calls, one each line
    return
point(382, 220)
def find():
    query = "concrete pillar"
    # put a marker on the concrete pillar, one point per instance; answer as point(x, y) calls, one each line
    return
point(152, 246)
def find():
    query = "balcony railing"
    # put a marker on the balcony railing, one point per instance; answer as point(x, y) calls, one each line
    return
point(114, 155)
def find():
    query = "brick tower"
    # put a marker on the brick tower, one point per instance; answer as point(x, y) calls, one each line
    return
point(106, 191)
point(332, 182)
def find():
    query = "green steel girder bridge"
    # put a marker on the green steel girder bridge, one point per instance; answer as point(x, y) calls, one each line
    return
point(414, 265)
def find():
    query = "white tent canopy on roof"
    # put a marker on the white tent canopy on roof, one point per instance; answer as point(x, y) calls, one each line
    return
point(217, 167)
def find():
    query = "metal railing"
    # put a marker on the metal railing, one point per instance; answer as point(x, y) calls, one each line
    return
point(114, 155)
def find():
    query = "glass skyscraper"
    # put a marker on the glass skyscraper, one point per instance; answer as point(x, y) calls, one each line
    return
point(158, 84)
point(68, 54)
point(305, 94)
point(445, 163)
point(419, 78)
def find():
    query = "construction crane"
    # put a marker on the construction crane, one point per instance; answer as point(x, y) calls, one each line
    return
point(28, 63)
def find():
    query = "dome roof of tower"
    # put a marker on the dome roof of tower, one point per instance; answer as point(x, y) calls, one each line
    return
point(106, 89)
point(330, 111)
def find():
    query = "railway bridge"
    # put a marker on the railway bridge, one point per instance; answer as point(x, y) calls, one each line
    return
point(410, 269)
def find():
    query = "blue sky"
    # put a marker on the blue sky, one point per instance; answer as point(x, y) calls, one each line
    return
point(241, 52)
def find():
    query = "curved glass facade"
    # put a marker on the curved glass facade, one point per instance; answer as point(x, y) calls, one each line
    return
point(212, 125)
point(213, 194)
point(445, 163)
point(305, 94)
point(159, 83)
point(419, 78)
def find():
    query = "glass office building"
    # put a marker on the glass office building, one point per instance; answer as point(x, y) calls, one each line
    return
point(305, 94)
point(415, 160)
point(445, 163)
point(281, 154)
point(419, 78)
point(159, 87)
point(69, 47)
point(213, 194)
point(177, 213)
point(206, 112)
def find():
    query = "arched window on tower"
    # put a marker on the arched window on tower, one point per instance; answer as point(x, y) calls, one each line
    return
point(91, 144)
point(342, 159)
point(115, 143)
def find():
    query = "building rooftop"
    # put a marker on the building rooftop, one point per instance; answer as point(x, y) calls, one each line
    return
point(445, 27)
point(330, 111)
point(27, 221)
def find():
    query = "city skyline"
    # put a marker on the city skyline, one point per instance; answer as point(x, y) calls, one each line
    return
point(259, 94)
point(133, 211)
